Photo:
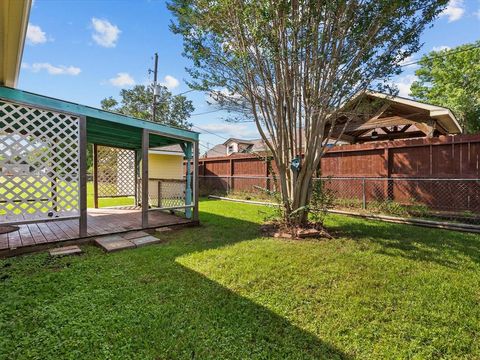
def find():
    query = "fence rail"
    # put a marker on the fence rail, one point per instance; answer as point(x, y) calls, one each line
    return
point(450, 200)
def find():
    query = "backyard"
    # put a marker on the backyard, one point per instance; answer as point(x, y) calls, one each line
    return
point(221, 290)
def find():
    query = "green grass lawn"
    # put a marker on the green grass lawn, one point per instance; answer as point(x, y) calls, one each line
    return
point(221, 291)
point(105, 202)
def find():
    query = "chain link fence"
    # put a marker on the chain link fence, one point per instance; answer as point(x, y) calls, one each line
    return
point(445, 200)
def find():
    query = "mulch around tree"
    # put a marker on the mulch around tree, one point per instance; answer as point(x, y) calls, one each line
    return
point(275, 229)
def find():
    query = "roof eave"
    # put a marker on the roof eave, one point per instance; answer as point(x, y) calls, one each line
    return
point(442, 114)
point(13, 30)
point(25, 97)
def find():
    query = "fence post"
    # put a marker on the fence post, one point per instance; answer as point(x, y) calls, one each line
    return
point(364, 196)
point(230, 180)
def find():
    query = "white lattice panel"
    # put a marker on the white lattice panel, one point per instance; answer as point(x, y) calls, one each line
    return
point(116, 172)
point(39, 163)
point(166, 193)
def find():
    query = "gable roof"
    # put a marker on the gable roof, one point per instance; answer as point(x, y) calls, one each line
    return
point(387, 117)
point(237, 140)
point(217, 151)
point(444, 115)
point(168, 150)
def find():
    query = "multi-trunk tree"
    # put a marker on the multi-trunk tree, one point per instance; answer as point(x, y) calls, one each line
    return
point(291, 65)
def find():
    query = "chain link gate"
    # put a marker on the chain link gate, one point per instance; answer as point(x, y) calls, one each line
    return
point(115, 172)
point(39, 163)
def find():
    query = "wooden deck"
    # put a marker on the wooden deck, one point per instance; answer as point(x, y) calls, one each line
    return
point(37, 236)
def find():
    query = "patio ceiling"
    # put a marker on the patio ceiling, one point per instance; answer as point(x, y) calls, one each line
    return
point(104, 127)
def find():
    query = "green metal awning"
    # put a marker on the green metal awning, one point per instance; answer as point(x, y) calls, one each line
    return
point(105, 127)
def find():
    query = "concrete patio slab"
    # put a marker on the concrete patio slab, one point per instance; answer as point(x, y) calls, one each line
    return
point(114, 243)
point(146, 240)
point(65, 250)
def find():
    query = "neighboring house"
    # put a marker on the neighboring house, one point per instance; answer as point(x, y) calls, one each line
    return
point(236, 146)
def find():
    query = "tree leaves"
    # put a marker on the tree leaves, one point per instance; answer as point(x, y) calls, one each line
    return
point(451, 78)
point(173, 110)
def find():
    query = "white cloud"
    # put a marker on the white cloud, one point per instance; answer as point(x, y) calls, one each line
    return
point(52, 69)
point(105, 33)
point(122, 79)
point(35, 35)
point(170, 82)
point(454, 10)
point(231, 129)
point(441, 47)
point(403, 84)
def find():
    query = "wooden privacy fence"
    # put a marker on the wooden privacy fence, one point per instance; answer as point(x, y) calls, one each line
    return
point(442, 173)
point(448, 157)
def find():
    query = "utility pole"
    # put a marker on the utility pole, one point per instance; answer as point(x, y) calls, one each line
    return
point(155, 87)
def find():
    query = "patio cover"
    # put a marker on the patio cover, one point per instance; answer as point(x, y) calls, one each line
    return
point(105, 127)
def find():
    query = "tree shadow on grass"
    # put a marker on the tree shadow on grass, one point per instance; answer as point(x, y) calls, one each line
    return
point(443, 247)
point(143, 304)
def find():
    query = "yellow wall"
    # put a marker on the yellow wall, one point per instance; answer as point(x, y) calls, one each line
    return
point(162, 166)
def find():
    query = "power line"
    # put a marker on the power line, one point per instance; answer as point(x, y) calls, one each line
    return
point(207, 112)
point(450, 52)
point(186, 92)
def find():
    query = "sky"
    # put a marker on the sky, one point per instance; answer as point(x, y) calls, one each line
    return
point(87, 50)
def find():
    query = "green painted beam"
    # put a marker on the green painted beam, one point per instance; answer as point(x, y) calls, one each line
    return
point(110, 118)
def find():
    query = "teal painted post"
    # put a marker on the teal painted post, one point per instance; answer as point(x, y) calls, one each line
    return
point(188, 186)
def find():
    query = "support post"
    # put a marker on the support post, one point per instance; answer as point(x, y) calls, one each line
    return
point(145, 145)
point(82, 148)
point(137, 165)
point(188, 180)
point(95, 175)
point(196, 154)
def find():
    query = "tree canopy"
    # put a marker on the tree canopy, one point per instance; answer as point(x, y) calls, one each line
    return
point(290, 65)
point(451, 78)
point(173, 110)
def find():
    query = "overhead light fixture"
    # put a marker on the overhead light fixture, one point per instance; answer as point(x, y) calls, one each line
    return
point(374, 135)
